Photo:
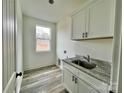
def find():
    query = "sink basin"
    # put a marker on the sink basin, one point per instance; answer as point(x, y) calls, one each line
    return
point(85, 64)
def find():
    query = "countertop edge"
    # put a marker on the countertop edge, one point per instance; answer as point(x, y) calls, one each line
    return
point(87, 72)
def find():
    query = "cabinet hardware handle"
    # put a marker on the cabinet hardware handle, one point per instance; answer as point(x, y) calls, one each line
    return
point(83, 35)
point(111, 92)
point(86, 34)
point(73, 78)
point(76, 80)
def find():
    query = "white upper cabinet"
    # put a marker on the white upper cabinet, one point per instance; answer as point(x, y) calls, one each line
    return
point(100, 19)
point(96, 20)
point(79, 25)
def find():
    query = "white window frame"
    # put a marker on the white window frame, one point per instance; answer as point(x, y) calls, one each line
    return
point(49, 39)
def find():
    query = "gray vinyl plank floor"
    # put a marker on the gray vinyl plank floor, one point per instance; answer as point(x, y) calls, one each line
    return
point(43, 80)
point(41, 70)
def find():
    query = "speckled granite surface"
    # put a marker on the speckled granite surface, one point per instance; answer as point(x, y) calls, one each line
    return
point(100, 72)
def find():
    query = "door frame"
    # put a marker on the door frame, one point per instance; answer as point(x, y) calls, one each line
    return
point(8, 46)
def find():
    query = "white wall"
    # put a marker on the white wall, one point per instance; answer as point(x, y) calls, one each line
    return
point(33, 59)
point(19, 57)
point(99, 49)
point(64, 39)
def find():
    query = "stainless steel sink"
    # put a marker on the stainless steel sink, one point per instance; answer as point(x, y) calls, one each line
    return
point(85, 64)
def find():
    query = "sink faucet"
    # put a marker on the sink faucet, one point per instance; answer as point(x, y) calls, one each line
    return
point(87, 58)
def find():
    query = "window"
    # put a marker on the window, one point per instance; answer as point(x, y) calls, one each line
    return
point(42, 38)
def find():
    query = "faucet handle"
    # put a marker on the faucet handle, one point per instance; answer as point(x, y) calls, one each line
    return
point(88, 56)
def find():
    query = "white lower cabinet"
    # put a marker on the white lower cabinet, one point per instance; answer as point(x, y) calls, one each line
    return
point(75, 85)
point(82, 83)
point(68, 79)
point(96, 84)
point(85, 88)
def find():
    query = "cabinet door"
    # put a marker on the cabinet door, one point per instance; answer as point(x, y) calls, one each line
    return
point(79, 24)
point(70, 68)
point(85, 88)
point(68, 80)
point(100, 19)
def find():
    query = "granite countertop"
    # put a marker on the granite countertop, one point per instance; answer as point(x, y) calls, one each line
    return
point(100, 72)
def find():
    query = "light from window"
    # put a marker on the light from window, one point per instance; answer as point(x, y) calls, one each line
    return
point(42, 39)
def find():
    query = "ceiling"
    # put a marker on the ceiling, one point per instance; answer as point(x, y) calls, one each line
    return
point(41, 9)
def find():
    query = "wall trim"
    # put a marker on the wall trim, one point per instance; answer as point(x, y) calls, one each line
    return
point(10, 87)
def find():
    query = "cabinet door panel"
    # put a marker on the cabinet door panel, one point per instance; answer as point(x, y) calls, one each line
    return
point(101, 19)
point(85, 88)
point(69, 81)
point(70, 68)
point(78, 24)
point(97, 84)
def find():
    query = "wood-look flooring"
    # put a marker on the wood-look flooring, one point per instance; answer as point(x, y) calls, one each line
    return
point(43, 80)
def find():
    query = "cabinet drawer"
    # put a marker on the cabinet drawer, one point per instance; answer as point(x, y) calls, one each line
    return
point(70, 68)
point(100, 86)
